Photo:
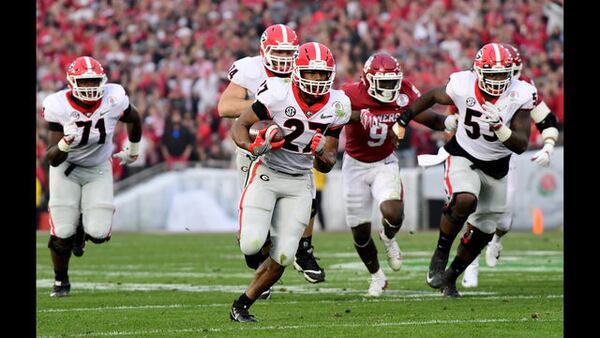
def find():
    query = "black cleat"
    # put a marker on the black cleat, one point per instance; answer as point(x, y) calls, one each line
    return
point(266, 294)
point(436, 269)
point(448, 286)
point(306, 263)
point(79, 241)
point(450, 291)
point(60, 289)
point(239, 313)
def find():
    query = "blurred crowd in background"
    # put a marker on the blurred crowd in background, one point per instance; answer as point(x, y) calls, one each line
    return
point(172, 57)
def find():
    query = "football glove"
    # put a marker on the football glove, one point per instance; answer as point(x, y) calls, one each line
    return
point(491, 115)
point(70, 132)
point(542, 157)
point(368, 119)
point(451, 122)
point(263, 144)
point(318, 143)
point(129, 154)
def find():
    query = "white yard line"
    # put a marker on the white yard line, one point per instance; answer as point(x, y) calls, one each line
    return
point(384, 299)
point(309, 326)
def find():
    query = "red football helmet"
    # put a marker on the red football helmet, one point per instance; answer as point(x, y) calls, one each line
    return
point(278, 38)
point(383, 77)
point(517, 60)
point(313, 56)
point(84, 68)
point(493, 60)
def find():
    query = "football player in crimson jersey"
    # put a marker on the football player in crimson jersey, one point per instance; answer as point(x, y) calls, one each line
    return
point(279, 189)
point(370, 169)
point(493, 122)
point(546, 123)
point(278, 43)
point(81, 123)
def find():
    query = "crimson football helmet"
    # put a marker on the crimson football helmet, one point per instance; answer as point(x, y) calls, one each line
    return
point(517, 60)
point(316, 57)
point(278, 38)
point(382, 76)
point(493, 60)
point(83, 68)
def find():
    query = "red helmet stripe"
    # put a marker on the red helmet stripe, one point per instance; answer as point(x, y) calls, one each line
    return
point(497, 52)
point(88, 63)
point(317, 50)
point(284, 33)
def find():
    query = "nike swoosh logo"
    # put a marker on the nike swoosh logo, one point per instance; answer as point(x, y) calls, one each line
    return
point(326, 116)
point(429, 279)
point(104, 112)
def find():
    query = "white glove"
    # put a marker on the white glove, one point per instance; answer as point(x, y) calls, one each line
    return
point(491, 115)
point(129, 154)
point(451, 122)
point(71, 132)
point(542, 157)
point(368, 119)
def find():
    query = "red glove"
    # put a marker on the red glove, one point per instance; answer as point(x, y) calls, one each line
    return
point(263, 144)
point(318, 143)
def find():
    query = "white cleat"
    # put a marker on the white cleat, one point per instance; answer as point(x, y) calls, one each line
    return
point(392, 250)
point(470, 279)
point(377, 286)
point(492, 253)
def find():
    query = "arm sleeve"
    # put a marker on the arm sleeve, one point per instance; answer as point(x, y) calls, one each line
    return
point(260, 110)
point(54, 126)
point(333, 132)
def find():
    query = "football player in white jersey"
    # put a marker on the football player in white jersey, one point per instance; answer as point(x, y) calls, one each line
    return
point(278, 43)
point(81, 122)
point(278, 190)
point(493, 122)
point(546, 123)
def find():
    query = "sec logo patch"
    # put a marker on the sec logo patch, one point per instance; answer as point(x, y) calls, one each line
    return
point(290, 111)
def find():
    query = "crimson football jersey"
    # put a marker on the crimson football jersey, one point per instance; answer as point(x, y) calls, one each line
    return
point(374, 144)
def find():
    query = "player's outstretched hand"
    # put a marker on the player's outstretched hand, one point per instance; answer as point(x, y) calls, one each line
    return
point(264, 141)
point(129, 154)
point(542, 157)
point(318, 143)
point(368, 119)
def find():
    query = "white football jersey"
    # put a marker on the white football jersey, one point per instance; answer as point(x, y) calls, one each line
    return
point(473, 134)
point(95, 145)
point(299, 122)
point(248, 72)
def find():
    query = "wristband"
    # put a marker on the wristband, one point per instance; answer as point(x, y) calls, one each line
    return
point(503, 133)
point(63, 146)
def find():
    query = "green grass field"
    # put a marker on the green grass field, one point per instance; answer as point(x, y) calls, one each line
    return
point(182, 285)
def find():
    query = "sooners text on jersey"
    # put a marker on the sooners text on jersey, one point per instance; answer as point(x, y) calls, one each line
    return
point(374, 144)
point(97, 125)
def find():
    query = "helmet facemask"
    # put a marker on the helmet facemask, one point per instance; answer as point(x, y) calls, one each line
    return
point(87, 93)
point(278, 63)
point(313, 87)
point(492, 86)
point(384, 87)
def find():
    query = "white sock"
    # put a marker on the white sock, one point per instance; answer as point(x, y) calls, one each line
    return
point(496, 239)
point(378, 275)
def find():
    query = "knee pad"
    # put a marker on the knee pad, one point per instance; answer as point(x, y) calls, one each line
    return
point(97, 240)
point(460, 207)
point(474, 240)
point(313, 208)
point(361, 234)
point(61, 246)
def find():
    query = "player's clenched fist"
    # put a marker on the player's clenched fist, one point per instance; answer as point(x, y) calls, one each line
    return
point(264, 141)
point(70, 132)
point(368, 119)
point(317, 144)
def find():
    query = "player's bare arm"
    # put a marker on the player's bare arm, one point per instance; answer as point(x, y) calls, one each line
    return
point(54, 154)
point(240, 131)
point(425, 101)
point(233, 101)
point(520, 127)
point(325, 162)
point(131, 117)
point(432, 120)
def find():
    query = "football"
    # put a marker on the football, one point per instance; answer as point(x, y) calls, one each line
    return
point(262, 124)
